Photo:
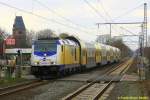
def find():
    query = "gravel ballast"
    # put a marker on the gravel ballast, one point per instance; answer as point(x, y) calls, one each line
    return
point(52, 91)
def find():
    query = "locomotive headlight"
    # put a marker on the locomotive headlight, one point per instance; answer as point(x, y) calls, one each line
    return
point(45, 54)
point(53, 63)
point(35, 63)
point(38, 62)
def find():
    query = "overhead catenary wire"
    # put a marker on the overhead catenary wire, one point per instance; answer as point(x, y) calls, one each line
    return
point(127, 12)
point(127, 30)
point(58, 15)
point(112, 19)
point(107, 14)
point(42, 17)
point(95, 10)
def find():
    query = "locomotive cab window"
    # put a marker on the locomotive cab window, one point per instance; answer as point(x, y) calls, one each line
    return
point(45, 46)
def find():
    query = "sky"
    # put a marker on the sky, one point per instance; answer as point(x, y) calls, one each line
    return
point(77, 17)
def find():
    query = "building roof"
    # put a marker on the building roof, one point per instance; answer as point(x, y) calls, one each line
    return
point(18, 23)
point(14, 50)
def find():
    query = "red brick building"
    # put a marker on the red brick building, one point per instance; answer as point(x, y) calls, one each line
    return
point(18, 41)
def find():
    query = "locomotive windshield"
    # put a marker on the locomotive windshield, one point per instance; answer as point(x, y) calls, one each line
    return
point(45, 46)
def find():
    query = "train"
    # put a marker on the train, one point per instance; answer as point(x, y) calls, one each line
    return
point(56, 56)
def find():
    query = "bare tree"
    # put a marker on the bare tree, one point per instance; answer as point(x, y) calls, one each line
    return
point(3, 34)
point(125, 50)
point(46, 33)
point(30, 35)
point(63, 35)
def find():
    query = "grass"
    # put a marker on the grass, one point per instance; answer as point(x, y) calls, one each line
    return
point(4, 82)
point(130, 89)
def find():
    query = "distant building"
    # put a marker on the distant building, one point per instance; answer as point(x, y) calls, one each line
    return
point(19, 33)
point(18, 42)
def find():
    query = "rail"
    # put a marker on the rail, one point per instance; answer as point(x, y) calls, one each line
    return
point(81, 91)
point(20, 87)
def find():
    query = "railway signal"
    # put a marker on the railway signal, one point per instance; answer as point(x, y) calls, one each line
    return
point(19, 62)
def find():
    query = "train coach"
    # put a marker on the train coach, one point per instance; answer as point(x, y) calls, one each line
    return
point(54, 56)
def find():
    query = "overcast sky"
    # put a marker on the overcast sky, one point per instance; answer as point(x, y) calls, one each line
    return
point(78, 17)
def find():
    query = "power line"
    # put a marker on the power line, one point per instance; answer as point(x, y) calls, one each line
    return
point(59, 15)
point(106, 13)
point(128, 31)
point(132, 41)
point(122, 23)
point(127, 12)
point(39, 16)
point(95, 10)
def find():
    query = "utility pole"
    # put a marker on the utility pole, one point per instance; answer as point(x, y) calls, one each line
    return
point(141, 68)
point(98, 26)
point(145, 22)
point(142, 44)
point(141, 41)
point(110, 30)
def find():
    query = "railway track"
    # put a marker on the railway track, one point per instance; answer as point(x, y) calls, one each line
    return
point(94, 90)
point(29, 85)
point(20, 87)
point(90, 75)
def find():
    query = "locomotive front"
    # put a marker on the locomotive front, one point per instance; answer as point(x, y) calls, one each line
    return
point(44, 57)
